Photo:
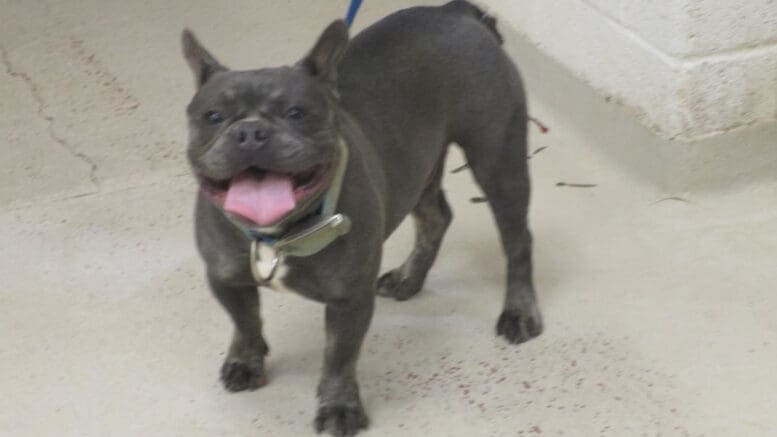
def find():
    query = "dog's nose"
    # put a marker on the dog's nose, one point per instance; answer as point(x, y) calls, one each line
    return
point(251, 134)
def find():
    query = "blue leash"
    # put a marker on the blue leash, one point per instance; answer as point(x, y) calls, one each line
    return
point(352, 10)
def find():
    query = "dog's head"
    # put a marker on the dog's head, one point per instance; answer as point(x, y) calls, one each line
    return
point(263, 143)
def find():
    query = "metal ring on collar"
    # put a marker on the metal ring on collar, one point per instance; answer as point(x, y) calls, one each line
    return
point(256, 263)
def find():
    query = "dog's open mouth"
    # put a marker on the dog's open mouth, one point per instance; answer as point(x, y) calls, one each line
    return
point(265, 197)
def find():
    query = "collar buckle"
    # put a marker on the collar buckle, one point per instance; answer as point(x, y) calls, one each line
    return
point(267, 255)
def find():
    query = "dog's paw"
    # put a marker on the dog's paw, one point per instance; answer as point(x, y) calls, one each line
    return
point(394, 284)
point(239, 376)
point(340, 420)
point(519, 326)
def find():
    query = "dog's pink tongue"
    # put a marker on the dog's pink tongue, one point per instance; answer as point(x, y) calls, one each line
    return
point(263, 201)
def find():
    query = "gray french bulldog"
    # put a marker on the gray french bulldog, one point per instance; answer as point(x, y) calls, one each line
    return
point(264, 146)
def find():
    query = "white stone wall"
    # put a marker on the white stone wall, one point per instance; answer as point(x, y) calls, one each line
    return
point(690, 69)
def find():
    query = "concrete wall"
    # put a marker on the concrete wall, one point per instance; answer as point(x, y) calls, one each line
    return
point(689, 69)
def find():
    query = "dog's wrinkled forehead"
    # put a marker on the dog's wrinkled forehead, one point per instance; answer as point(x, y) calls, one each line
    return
point(261, 90)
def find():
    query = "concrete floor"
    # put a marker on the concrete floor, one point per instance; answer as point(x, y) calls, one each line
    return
point(659, 306)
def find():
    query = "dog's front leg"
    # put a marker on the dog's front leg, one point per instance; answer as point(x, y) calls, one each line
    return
point(243, 368)
point(340, 410)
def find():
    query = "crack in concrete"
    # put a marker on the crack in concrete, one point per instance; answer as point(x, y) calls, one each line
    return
point(41, 109)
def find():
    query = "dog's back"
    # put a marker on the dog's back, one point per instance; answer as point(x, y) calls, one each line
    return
point(440, 71)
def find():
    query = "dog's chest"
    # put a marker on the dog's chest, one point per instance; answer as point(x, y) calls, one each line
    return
point(300, 275)
point(300, 281)
point(278, 283)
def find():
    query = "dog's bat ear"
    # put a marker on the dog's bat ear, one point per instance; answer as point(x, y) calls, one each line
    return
point(202, 63)
point(323, 59)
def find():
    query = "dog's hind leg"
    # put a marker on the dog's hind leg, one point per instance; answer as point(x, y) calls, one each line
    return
point(432, 215)
point(497, 157)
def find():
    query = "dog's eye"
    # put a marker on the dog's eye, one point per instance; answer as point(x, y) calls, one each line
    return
point(213, 117)
point(295, 114)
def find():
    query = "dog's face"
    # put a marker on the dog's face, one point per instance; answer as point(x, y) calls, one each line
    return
point(263, 143)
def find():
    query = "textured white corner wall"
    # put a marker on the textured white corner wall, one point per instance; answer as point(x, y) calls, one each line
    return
point(689, 69)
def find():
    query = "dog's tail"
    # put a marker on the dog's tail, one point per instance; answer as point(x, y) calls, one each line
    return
point(465, 7)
